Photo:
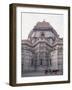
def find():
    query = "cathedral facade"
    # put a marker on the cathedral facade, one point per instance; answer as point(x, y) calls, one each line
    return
point(42, 52)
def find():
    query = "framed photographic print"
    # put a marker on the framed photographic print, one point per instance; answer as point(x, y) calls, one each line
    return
point(39, 44)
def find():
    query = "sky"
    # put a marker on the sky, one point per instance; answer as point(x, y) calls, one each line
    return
point(29, 20)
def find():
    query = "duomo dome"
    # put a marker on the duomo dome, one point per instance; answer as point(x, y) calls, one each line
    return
point(43, 30)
